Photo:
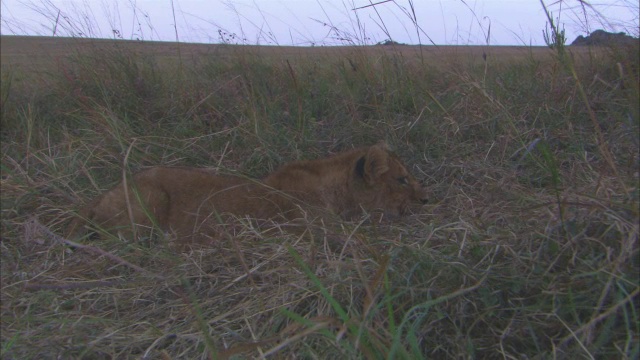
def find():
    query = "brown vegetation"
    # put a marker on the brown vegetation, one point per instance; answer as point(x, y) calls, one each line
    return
point(528, 247)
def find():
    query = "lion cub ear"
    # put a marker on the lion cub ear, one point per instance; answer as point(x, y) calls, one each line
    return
point(374, 163)
point(383, 145)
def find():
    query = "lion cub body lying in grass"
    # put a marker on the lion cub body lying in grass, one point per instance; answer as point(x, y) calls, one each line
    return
point(193, 203)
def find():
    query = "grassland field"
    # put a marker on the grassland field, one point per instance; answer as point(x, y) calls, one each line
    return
point(528, 248)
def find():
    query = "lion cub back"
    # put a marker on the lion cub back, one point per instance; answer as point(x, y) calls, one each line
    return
point(183, 201)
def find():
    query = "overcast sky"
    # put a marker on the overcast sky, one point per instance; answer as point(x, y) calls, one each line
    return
point(316, 22)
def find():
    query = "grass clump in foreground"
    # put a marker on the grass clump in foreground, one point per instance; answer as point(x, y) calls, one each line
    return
point(529, 247)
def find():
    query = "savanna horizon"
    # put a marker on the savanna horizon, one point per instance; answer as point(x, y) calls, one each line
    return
point(16, 48)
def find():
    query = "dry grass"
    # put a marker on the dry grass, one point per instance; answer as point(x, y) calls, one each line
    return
point(529, 248)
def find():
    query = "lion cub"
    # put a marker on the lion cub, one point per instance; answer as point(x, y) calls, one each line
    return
point(193, 203)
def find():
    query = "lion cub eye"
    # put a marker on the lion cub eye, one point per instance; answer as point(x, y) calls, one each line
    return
point(403, 180)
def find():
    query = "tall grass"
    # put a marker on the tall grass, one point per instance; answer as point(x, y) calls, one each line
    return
point(529, 247)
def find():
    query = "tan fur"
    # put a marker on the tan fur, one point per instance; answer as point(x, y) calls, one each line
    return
point(193, 203)
point(190, 203)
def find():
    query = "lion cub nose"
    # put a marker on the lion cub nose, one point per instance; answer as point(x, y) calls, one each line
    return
point(421, 195)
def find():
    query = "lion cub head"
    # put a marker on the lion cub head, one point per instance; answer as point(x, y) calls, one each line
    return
point(364, 179)
point(382, 182)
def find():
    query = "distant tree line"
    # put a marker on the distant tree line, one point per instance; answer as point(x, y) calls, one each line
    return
point(601, 37)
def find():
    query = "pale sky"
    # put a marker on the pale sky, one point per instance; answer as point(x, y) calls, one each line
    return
point(316, 22)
